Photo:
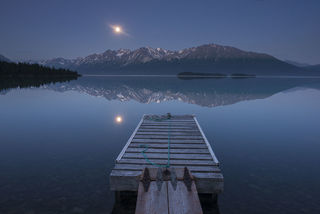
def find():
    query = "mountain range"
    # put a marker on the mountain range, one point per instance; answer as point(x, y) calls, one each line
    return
point(209, 58)
point(3, 58)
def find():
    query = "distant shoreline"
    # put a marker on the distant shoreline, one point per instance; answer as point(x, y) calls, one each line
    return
point(153, 75)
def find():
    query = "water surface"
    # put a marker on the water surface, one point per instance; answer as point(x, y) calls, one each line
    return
point(58, 142)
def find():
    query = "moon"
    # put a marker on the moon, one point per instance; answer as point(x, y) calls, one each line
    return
point(117, 29)
point(118, 119)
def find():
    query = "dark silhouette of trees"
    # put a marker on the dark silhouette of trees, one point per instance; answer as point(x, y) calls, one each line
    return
point(10, 69)
point(24, 75)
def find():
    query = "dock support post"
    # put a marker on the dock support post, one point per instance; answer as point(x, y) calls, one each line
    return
point(125, 202)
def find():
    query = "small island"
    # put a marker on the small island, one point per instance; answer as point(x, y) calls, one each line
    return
point(23, 75)
point(195, 75)
point(240, 75)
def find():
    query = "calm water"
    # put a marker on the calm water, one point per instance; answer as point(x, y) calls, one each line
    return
point(58, 143)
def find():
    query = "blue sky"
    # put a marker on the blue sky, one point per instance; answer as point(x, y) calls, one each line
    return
point(41, 29)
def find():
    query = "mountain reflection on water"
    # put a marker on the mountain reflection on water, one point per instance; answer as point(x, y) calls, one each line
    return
point(202, 92)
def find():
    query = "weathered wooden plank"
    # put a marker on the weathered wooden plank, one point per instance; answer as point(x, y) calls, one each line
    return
point(172, 162)
point(179, 117)
point(193, 169)
point(166, 141)
point(172, 133)
point(170, 124)
point(145, 123)
point(171, 120)
point(181, 201)
point(167, 128)
point(215, 176)
point(160, 141)
point(129, 141)
point(155, 141)
point(172, 146)
point(209, 182)
point(171, 128)
point(182, 116)
point(165, 156)
point(127, 173)
point(124, 180)
point(153, 201)
point(207, 142)
point(165, 151)
point(138, 136)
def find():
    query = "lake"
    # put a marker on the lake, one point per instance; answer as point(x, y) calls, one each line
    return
point(59, 142)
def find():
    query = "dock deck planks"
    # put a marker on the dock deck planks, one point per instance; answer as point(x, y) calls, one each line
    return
point(189, 148)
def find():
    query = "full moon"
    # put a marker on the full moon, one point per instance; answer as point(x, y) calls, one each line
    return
point(117, 29)
point(119, 119)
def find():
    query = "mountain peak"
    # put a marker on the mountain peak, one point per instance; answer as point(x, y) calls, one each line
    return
point(3, 58)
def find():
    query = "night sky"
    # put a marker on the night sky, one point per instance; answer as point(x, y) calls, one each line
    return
point(42, 29)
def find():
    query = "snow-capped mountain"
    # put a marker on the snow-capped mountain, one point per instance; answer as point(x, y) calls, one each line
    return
point(3, 58)
point(210, 58)
point(121, 58)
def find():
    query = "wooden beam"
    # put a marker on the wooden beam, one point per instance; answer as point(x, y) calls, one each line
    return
point(181, 201)
point(159, 156)
point(153, 201)
point(172, 146)
point(207, 143)
point(129, 141)
point(180, 137)
point(171, 130)
point(172, 162)
point(146, 141)
point(193, 169)
point(196, 133)
point(165, 151)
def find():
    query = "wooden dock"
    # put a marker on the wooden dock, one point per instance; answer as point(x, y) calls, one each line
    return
point(148, 148)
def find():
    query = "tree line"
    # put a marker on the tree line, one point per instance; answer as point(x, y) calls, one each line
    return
point(10, 69)
point(23, 75)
